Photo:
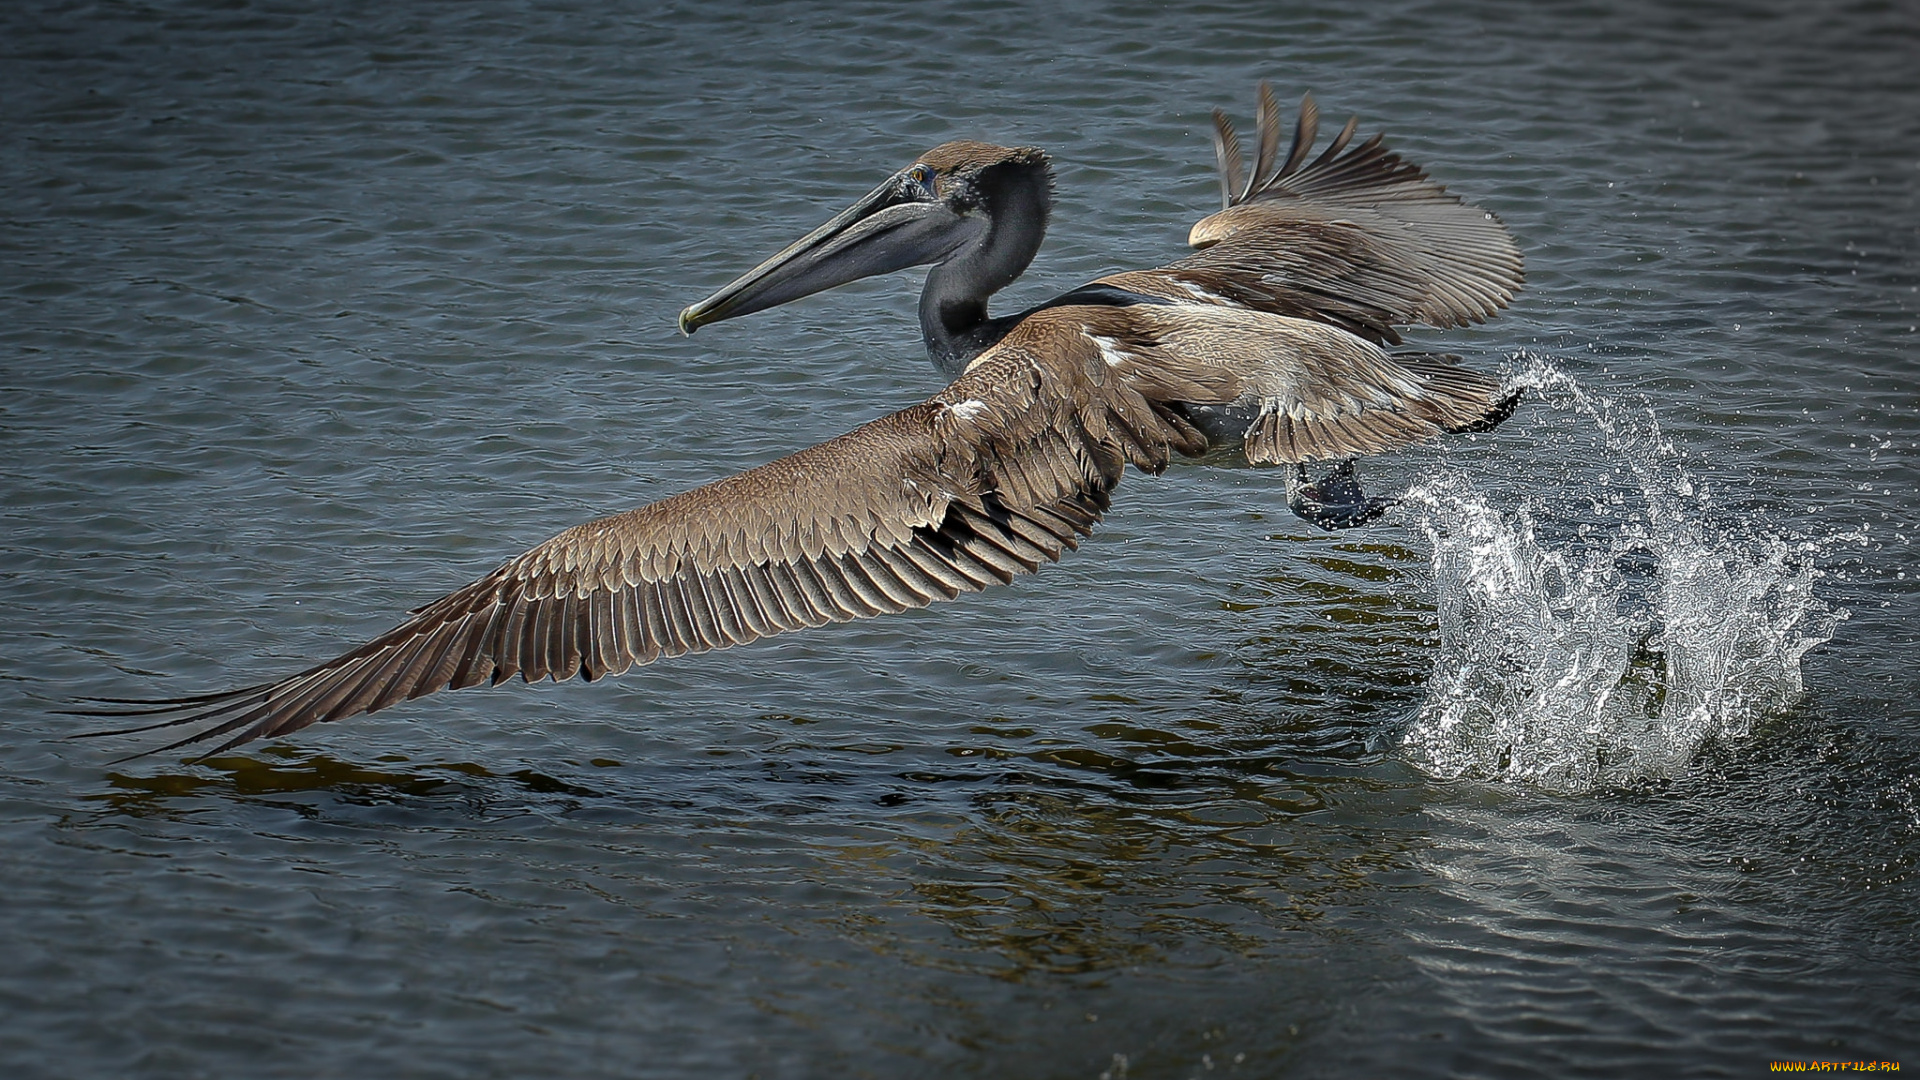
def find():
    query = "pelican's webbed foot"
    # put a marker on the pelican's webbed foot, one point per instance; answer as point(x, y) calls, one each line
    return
point(1335, 501)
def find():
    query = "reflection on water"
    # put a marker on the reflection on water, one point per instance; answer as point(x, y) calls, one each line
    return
point(290, 770)
point(1608, 644)
point(1165, 850)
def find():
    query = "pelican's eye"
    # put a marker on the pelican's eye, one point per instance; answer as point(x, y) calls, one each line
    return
point(922, 175)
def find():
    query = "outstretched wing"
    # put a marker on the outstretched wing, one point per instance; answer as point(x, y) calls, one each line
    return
point(998, 474)
point(1359, 238)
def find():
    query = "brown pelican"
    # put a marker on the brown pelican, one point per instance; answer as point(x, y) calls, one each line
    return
point(1267, 341)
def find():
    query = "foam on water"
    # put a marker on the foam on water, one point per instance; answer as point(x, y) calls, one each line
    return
point(1604, 641)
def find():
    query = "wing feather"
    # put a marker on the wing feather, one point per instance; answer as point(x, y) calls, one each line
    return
point(1226, 155)
point(1267, 120)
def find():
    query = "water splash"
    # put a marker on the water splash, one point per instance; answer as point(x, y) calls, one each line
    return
point(1604, 642)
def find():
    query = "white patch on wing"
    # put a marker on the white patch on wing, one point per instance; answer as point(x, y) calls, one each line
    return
point(1110, 350)
point(1199, 293)
point(968, 409)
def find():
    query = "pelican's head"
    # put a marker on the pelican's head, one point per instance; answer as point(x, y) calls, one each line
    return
point(926, 213)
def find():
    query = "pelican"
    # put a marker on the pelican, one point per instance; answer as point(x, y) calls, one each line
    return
point(1269, 340)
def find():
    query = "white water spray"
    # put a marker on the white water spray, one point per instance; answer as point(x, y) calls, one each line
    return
point(1614, 649)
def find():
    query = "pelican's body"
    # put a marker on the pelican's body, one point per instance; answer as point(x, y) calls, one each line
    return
point(1269, 339)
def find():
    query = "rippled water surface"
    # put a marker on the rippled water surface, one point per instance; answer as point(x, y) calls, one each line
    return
point(1600, 753)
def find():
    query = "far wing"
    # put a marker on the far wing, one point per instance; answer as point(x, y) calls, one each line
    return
point(1358, 238)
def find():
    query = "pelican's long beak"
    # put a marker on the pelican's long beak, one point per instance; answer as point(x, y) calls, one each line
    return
point(877, 235)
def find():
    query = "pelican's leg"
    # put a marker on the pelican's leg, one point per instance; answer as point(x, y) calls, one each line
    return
point(1335, 501)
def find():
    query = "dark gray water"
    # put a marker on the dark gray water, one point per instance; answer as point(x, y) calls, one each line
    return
point(1602, 754)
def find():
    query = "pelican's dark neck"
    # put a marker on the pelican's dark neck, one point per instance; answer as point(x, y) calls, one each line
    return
point(1014, 199)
